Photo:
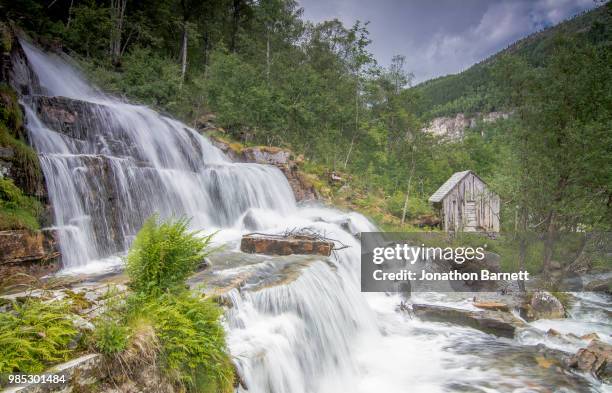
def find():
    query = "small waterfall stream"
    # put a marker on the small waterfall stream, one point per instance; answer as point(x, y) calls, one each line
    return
point(109, 165)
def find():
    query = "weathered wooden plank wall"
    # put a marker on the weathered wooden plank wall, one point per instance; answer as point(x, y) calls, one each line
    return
point(487, 204)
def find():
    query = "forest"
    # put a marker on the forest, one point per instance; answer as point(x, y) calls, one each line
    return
point(272, 78)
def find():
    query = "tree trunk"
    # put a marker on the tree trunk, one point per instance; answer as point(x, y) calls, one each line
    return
point(548, 243)
point(268, 55)
point(356, 123)
point(184, 53)
point(69, 14)
point(405, 208)
point(235, 23)
point(117, 10)
point(522, 245)
point(349, 151)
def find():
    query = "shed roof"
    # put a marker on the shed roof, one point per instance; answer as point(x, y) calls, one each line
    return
point(448, 186)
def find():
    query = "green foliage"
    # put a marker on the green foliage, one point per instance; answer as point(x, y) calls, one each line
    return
point(416, 206)
point(475, 89)
point(35, 334)
point(163, 255)
point(110, 338)
point(17, 211)
point(273, 79)
point(192, 340)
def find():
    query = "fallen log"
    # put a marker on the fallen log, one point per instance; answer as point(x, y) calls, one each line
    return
point(286, 245)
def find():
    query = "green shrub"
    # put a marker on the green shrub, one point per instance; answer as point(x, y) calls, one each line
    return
point(185, 328)
point(35, 334)
point(192, 341)
point(110, 337)
point(163, 255)
point(416, 206)
point(17, 211)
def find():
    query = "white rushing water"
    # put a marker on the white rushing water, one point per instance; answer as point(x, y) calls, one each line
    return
point(119, 163)
point(316, 334)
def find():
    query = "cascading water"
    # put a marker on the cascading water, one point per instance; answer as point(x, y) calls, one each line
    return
point(109, 165)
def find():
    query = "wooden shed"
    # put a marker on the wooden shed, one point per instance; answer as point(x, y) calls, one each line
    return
point(466, 204)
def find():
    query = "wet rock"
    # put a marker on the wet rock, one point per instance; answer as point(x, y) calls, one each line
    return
point(599, 286)
point(499, 323)
point(493, 306)
point(595, 359)
point(544, 305)
point(553, 333)
point(590, 336)
point(278, 245)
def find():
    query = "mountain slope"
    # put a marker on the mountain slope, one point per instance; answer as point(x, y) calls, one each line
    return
point(472, 90)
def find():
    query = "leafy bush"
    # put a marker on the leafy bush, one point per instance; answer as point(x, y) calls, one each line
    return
point(192, 341)
point(416, 206)
point(186, 329)
point(110, 337)
point(163, 255)
point(35, 334)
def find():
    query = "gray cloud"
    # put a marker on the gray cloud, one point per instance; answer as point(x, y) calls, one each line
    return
point(444, 36)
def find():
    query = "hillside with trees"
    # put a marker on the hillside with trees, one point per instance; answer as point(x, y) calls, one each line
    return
point(272, 78)
point(474, 90)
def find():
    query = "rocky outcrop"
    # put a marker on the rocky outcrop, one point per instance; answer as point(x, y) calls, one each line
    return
point(499, 323)
point(599, 286)
point(595, 359)
point(281, 158)
point(543, 305)
point(453, 128)
point(33, 253)
point(285, 245)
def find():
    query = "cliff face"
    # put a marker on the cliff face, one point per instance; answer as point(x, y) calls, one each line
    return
point(453, 128)
point(24, 250)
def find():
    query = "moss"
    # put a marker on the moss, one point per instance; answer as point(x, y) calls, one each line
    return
point(10, 112)
point(78, 301)
point(6, 37)
point(17, 211)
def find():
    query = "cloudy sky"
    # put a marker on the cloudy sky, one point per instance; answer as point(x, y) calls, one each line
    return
point(440, 37)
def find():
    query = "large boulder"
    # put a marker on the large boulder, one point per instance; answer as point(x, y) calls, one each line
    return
point(285, 245)
point(595, 359)
point(499, 323)
point(543, 305)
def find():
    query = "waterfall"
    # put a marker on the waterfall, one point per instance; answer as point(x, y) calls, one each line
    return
point(109, 165)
